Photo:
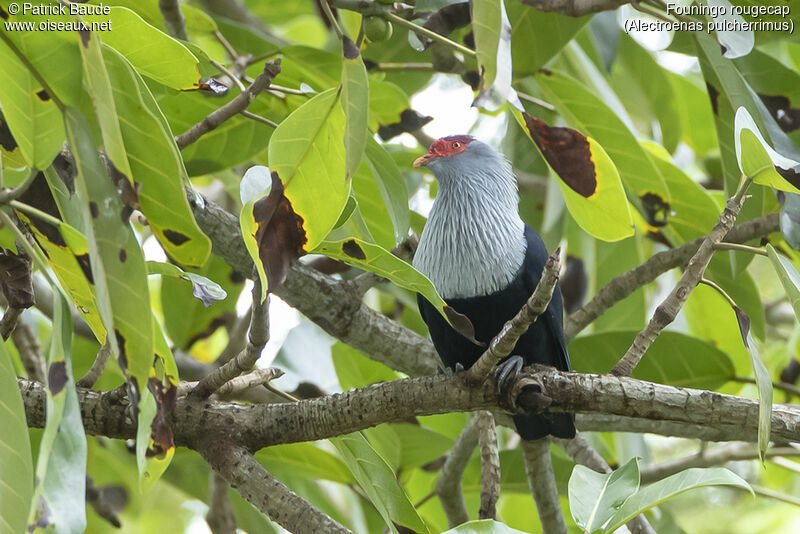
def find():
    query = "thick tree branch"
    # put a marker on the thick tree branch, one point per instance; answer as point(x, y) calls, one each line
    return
point(327, 302)
point(241, 470)
point(667, 311)
point(490, 465)
point(504, 342)
point(542, 482)
point(235, 106)
point(258, 426)
point(448, 486)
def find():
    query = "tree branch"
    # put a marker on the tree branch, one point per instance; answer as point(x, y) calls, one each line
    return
point(30, 351)
point(542, 482)
point(490, 465)
point(235, 106)
point(173, 18)
point(708, 457)
point(246, 359)
point(448, 486)
point(504, 342)
point(241, 470)
point(220, 516)
point(626, 283)
point(667, 311)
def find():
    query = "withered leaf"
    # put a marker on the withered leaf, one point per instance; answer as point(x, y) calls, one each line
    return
point(280, 234)
point(461, 324)
point(15, 279)
point(410, 121)
point(568, 153)
point(160, 429)
point(656, 209)
point(787, 117)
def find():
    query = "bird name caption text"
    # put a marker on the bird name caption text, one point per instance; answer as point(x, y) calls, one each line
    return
point(716, 17)
point(40, 17)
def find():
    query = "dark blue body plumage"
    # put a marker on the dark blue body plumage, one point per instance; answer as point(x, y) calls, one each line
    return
point(543, 343)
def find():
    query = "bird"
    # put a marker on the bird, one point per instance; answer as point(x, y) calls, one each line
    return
point(485, 262)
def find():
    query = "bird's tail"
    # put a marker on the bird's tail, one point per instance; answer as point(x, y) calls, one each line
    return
point(532, 427)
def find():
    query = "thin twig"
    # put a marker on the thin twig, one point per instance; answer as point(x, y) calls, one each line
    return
point(542, 483)
point(220, 516)
point(772, 494)
point(96, 370)
point(9, 322)
point(448, 486)
point(710, 457)
point(490, 465)
point(504, 342)
point(407, 67)
point(237, 337)
point(667, 311)
point(430, 34)
point(173, 18)
point(246, 359)
point(791, 389)
point(7, 195)
point(235, 106)
point(233, 77)
point(740, 247)
point(230, 49)
point(287, 90)
point(30, 351)
point(326, 8)
point(537, 101)
point(258, 118)
point(258, 377)
point(628, 282)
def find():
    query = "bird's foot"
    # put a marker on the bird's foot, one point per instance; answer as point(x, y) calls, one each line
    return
point(450, 371)
point(507, 372)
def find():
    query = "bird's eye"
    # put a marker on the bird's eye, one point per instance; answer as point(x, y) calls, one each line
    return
point(456, 145)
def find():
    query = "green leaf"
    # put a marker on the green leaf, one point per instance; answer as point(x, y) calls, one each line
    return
point(307, 153)
point(186, 319)
point(59, 499)
point(674, 358)
point(16, 465)
point(586, 112)
point(155, 164)
point(355, 370)
point(537, 36)
point(355, 102)
point(306, 460)
point(419, 445)
point(594, 197)
point(696, 116)
point(756, 158)
point(117, 262)
point(382, 196)
point(595, 497)
point(492, 32)
point(305, 65)
point(205, 290)
point(674, 485)
point(735, 43)
point(789, 277)
point(152, 52)
point(68, 257)
point(375, 259)
point(386, 102)
point(378, 481)
point(763, 383)
point(32, 116)
point(483, 526)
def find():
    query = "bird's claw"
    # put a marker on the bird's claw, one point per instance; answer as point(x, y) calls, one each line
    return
point(507, 372)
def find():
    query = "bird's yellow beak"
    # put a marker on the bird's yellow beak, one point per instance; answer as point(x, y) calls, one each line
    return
point(422, 161)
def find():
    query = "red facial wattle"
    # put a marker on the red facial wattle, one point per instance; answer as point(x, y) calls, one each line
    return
point(444, 147)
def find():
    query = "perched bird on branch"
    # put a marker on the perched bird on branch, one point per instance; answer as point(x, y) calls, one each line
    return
point(485, 262)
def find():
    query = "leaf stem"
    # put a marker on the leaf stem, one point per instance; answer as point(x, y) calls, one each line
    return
point(715, 286)
point(429, 34)
point(743, 248)
point(326, 8)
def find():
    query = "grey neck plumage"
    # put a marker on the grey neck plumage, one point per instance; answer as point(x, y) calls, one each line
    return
point(473, 243)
